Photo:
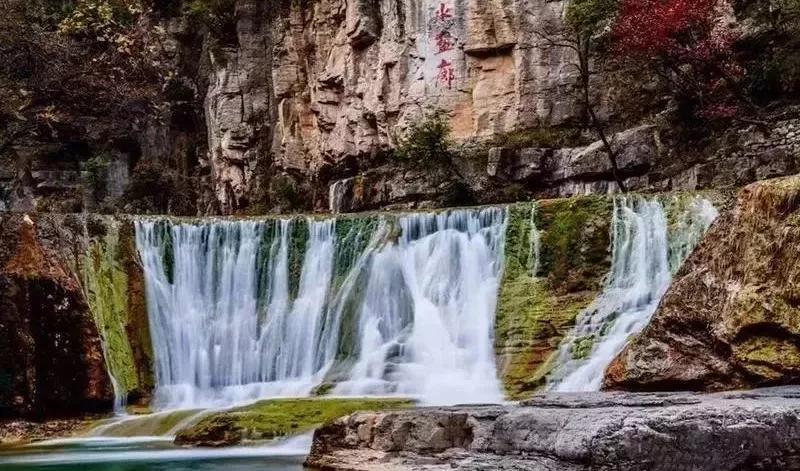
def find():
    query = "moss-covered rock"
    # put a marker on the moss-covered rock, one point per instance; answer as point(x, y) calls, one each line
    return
point(730, 318)
point(267, 420)
point(535, 311)
point(114, 287)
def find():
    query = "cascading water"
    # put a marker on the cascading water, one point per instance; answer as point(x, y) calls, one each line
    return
point(240, 310)
point(427, 318)
point(225, 325)
point(645, 254)
point(535, 250)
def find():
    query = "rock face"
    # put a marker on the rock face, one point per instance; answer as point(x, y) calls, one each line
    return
point(300, 108)
point(729, 319)
point(650, 432)
point(58, 303)
point(50, 351)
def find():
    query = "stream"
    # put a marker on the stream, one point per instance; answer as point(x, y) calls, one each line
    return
point(152, 454)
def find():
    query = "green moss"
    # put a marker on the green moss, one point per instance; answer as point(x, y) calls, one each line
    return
point(534, 314)
point(106, 284)
point(298, 242)
point(153, 425)
point(114, 287)
point(282, 417)
point(575, 242)
point(582, 347)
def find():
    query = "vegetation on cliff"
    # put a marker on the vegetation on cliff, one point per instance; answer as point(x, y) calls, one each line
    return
point(114, 288)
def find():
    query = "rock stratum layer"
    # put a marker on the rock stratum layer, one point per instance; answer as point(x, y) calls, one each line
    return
point(729, 319)
point(584, 432)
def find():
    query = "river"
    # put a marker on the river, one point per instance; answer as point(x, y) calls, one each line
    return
point(152, 454)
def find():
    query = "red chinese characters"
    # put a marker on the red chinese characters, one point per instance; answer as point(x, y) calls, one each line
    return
point(446, 74)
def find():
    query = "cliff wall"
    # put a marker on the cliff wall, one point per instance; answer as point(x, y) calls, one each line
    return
point(298, 106)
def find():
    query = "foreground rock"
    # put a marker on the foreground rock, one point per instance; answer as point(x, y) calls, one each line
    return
point(729, 320)
point(602, 431)
point(20, 432)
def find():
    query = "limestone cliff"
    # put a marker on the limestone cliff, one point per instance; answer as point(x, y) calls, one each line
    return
point(730, 318)
point(297, 105)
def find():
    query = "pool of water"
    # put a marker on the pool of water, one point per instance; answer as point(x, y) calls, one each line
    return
point(152, 454)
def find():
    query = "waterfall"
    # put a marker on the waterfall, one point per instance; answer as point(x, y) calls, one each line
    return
point(241, 310)
point(534, 252)
point(226, 326)
point(427, 318)
point(645, 253)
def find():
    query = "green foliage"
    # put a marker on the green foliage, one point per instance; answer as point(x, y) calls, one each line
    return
point(101, 19)
point(427, 141)
point(589, 17)
point(282, 417)
point(96, 174)
point(219, 16)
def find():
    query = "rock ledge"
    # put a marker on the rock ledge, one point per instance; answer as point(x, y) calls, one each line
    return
point(575, 432)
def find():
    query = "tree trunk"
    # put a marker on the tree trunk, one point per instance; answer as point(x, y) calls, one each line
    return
point(584, 46)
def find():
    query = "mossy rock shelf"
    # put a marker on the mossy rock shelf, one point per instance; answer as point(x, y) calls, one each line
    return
point(271, 419)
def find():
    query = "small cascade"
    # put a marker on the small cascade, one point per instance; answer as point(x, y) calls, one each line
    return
point(646, 250)
point(427, 318)
point(242, 310)
point(534, 255)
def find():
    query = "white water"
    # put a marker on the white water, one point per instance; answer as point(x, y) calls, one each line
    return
point(228, 327)
point(643, 261)
point(152, 453)
point(535, 249)
point(222, 334)
point(427, 319)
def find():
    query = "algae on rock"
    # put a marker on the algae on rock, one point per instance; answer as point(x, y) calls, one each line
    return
point(114, 289)
point(267, 420)
point(535, 312)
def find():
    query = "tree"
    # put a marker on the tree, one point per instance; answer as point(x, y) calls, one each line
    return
point(690, 46)
point(62, 61)
point(583, 26)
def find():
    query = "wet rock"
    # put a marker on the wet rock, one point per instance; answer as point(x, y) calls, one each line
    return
point(51, 358)
point(729, 318)
point(652, 432)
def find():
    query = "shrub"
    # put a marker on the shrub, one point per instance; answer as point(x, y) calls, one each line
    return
point(427, 141)
point(219, 16)
point(101, 19)
point(155, 188)
point(95, 176)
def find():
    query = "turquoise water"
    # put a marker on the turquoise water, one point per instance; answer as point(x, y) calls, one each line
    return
point(152, 454)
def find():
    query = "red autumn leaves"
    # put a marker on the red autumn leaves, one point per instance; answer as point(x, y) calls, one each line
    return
point(689, 43)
